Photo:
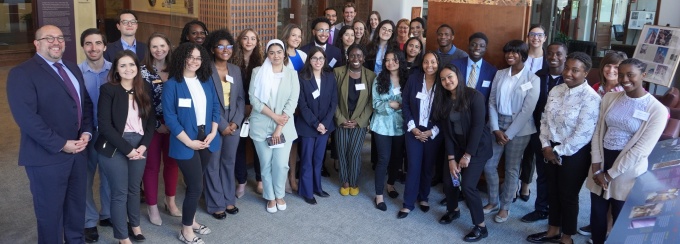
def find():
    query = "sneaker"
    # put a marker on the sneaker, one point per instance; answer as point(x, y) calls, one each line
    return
point(585, 230)
point(534, 216)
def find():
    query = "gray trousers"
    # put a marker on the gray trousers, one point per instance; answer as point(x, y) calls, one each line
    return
point(91, 214)
point(124, 176)
point(220, 183)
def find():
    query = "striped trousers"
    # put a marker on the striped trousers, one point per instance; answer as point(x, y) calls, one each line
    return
point(349, 143)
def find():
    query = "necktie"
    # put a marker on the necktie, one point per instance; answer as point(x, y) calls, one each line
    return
point(330, 40)
point(71, 89)
point(472, 80)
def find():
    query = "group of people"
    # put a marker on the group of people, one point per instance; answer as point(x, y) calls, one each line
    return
point(195, 107)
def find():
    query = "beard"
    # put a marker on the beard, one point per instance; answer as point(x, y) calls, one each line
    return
point(316, 39)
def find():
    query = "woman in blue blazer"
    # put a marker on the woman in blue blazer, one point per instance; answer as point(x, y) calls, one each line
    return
point(314, 123)
point(191, 110)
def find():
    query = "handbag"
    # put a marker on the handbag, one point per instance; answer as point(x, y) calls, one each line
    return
point(103, 147)
point(245, 128)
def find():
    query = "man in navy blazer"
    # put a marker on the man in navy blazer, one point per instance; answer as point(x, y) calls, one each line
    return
point(51, 106)
point(127, 25)
point(320, 32)
point(484, 70)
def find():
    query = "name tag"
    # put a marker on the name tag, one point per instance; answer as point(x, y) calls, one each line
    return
point(157, 81)
point(185, 102)
point(396, 91)
point(316, 93)
point(360, 86)
point(639, 114)
point(486, 83)
point(332, 62)
point(421, 96)
point(526, 86)
point(230, 79)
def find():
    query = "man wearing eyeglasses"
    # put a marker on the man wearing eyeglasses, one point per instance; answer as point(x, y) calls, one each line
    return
point(320, 32)
point(127, 25)
point(51, 106)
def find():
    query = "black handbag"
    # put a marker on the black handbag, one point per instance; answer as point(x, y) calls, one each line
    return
point(103, 147)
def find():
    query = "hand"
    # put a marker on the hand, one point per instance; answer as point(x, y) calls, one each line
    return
point(73, 146)
point(163, 129)
point(549, 155)
point(395, 105)
point(85, 137)
point(321, 128)
point(454, 168)
point(196, 145)
point(595, 167)
point(601, 181)
point(350, 124)
point(501, 137)
point(464, 162)
point(276, 136)
point(141, 149)
point(209, 138)
point(424, 135)
point(281, 119)
point(133, 154)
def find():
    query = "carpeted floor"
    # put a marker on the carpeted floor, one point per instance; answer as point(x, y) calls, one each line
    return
point(336, 219)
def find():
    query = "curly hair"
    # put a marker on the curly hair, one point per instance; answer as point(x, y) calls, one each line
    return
point(179, 60)
point(635, 63)
point(148, 61)
point(214, 39)
point(367, 35)
point(256, 57)
point(187, 28)
point(383, 78)
point(140, 94)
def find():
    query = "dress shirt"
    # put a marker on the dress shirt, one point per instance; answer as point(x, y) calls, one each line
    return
point(505, 98)
point(133, 123)
point(469, 68)
point(570, 118)
point(535, 64)
point(323, 47)
point(318, 83)
point(621, 121)
point(126, 46)
point(73, 78)
point(379, 59)
point(198, 99)
point(386, 120)
point(425, 109)
point(93, 80)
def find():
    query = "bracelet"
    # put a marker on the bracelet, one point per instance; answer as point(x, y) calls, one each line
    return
point(452, 159)
point(598, 172)
point(605, 178)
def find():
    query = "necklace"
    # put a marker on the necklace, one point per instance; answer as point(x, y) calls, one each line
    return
point(354, 72)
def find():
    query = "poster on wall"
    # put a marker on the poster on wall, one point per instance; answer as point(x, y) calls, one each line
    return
point(60, 13)
point(659, 48)
point(176, 7)
point(638, 19)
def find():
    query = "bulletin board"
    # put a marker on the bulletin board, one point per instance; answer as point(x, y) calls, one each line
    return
point(638, 19)
point(659, 48)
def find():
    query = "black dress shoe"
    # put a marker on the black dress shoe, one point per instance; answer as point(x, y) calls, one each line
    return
point(525, 197)
point(232, 211)
point(435, 182)
point(402, 215)
point(476, 234)
point(382, 206)
point(324, 172)
point(105, 222)
point(91, 235)
point(449, 217)
point(136, 238)
point(393, 193)
point(461, 197)
point(534, 216)
point(311, 201)
point(542, 237)
point(424, 208)
point(443, 202)
point(322, 194)
point(221, 215)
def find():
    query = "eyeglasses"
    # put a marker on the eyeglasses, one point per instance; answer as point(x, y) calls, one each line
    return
point(317, 59)
point(386, 30)
point(195, 33)
point(535, 34)
point(51, 39)
point(222, 47)
point(129, 22)
point(195, 59)
point(323, 31)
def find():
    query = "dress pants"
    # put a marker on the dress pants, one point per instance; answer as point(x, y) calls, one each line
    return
point(59, 199)
point(157, 152)
point(274, 168)
point(390, 150)
point(534, 152)
point(565, 183)
point(421, 157)
point(468, 182)
point(312, 151)
point(349, 143)
point(526, 174)
point(91, 213)
point(124, 176)
point(219, 175)
point(241, 166)
point(192, 170)
point(600, 206)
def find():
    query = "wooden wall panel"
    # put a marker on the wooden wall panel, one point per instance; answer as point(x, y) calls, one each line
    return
point(171, 25)
point(500, 23)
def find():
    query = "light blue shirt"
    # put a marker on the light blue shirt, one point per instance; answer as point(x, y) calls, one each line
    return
point(132, 47)
point(379, 60)
point(93, 80)
point(469, 68)
point(386, 121)
point(73, 78)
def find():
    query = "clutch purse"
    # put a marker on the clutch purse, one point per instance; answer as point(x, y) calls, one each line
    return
point(105, 148)
point(272, 145)
point(245, 128)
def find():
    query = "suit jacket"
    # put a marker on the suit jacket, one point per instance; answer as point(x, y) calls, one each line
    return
point(544, 76)
point(316, 110)
point(286, 101)
point(632, 161)
point(364, 109)
point(116, 47)
point(179, 119)
point(46, 114)
point(411, 104)
point(237, 103)
point(332, 52)
point(523, 102)
point(477, 136)
point(112, 115)
point(485, 73)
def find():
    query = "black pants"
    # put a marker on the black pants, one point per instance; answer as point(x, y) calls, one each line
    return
point(390, 158)
point(564, 182)
point(469, 179)
point(241, 166)
point(192, 170)
point(533, 159)
point(600, 206)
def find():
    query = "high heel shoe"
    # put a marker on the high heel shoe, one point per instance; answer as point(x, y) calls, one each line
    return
point(240, 190)
point(154, 215)
point(136, 238)
point(171, 213)
point(525, 198)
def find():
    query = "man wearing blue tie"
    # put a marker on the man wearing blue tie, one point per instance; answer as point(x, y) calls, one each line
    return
point(51, 106)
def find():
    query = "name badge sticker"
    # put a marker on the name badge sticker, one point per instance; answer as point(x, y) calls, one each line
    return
point(421, 96)
point(316, 93)
point(332, 62)
point(185, 102)
point(486, 83)
point(360, 86)
point(230, 79)
point(526, 86)
point(396, 91)
point(639, 114)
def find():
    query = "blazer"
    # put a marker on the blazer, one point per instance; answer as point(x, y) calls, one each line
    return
point(411, 104)
point(116, 47)
point(485, 73)
point(364, 109)
point(262, 125)
point(523, 102)
point(477, 136)
point(332, 53)
point(113, 109)
point(179, 119)
point(316, 110)
point(544, 76)
point(237, 105)
point(46, 114)
point(632, 161)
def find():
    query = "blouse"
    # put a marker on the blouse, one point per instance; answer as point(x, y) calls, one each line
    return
point(352, 94)
point(623, 120)
point(157, 90)
point(198, 98)
point(133, 123)
point(425, 109)
point(386, 120)
point(505, 96)
point(297, 61)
